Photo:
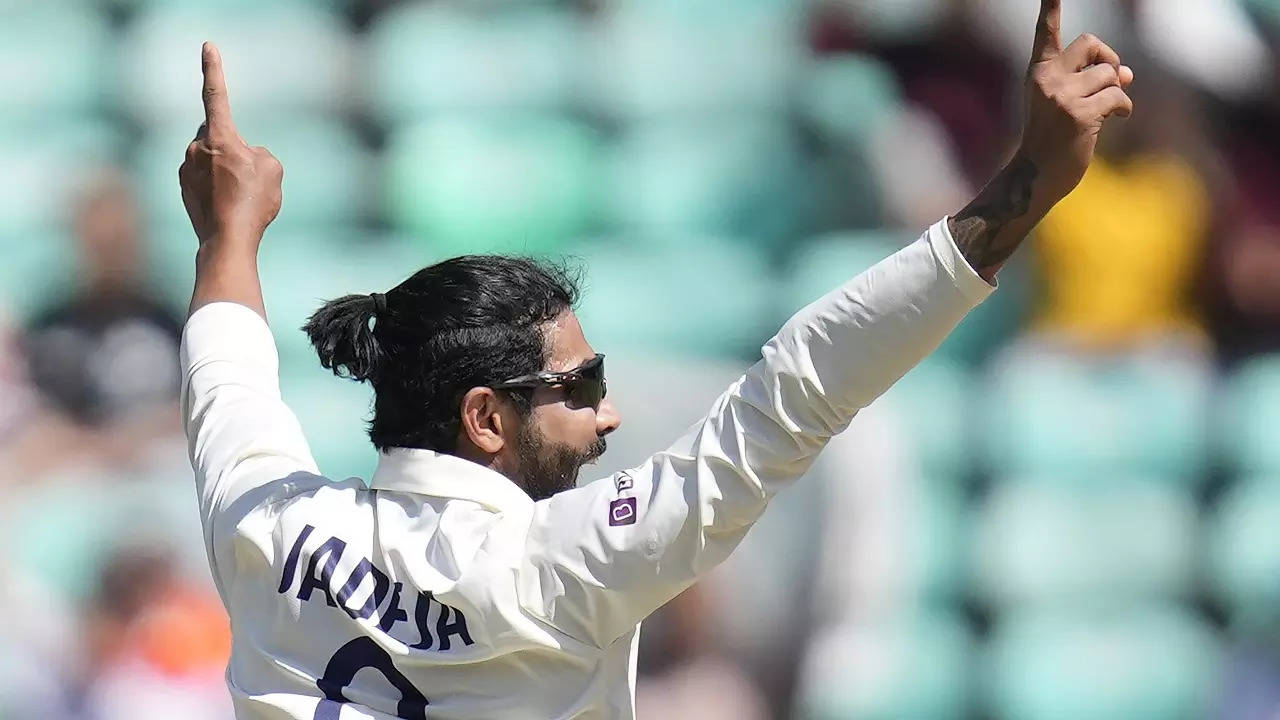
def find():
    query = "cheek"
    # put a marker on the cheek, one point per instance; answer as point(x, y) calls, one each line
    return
point(562, 424)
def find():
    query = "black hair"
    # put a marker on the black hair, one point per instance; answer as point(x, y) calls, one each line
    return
point(461, 323)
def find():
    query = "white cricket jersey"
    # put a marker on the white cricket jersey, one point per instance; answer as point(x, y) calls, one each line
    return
point(442, 590)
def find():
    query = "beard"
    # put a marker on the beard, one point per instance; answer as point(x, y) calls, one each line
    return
point(546, 467)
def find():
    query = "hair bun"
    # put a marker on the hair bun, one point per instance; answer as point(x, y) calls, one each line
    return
point(343, 337)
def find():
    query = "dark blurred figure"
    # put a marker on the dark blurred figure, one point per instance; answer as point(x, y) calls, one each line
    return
point(1245, 262)
point(109, 353)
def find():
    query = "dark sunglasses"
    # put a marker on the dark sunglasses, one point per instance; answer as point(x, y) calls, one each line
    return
point(584, 385)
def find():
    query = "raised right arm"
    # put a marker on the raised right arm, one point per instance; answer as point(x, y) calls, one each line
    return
point(240, 434)
point(232, 192)
point(602, 557)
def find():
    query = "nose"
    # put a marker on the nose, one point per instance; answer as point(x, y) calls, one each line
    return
point(607, 418)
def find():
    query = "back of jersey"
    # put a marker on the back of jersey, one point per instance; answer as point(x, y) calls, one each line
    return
point(350, 602)
point(386, 603)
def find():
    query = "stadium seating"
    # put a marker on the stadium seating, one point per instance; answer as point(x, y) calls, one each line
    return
point(1026, 539)
point(49, 56)
point(823, 263)
point(909, 666)
point(1266, 10)
point(502, 183)
point(1038, 544)
point(845, 97)
point(1140, 662)
point(59, 532)
point(38, 269)
point(333, 412)
point(222, 6)
point(933, 404)
point(740, 177)
point(701, 296)
point(279, 57)
point(1251, 414)
point(327, 173)
point(928, 557)
point(437, 57)
point(1242, 548)
point(898, 20)
point(1086, 421)
point(683, 58)
point(53, 157)
point(301, 270)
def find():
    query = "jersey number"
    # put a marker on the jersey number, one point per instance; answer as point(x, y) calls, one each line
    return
point(350, 659)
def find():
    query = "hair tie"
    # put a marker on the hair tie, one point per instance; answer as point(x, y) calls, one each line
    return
point(379, 303)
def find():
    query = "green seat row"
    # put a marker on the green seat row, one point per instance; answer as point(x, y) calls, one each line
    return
point(1053, 414)
point(1142, 662)
point(279, 58)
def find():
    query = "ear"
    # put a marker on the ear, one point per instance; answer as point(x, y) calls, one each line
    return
point(483, 423)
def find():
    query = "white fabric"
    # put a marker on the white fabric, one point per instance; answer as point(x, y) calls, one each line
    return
point(457, 586)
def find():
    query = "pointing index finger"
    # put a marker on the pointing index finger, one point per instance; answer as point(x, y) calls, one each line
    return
point(1048, 43)
point(217, 108)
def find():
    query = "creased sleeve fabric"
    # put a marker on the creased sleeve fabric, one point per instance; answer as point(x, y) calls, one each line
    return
point(240, 434)
point(600, 558)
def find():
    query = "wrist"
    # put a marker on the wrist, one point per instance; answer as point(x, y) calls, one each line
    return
point(993, 225)
point(232, 237)
point(222, 248)
point(1050, 184)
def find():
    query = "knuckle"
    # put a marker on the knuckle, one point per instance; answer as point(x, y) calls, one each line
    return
point(1090, 39)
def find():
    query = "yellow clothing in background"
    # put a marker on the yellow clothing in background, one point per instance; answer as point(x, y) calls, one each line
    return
point(1119, 255)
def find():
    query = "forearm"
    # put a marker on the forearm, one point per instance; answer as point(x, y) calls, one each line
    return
point(837, 355)
point(227, 271)
point(989, 229)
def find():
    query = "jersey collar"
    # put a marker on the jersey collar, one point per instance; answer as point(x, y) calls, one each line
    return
point(427, 472)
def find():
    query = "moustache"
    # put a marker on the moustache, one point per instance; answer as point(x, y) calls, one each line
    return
point(595, 450)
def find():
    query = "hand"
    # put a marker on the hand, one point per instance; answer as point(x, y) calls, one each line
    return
point(1070, 93)
point(231, 191)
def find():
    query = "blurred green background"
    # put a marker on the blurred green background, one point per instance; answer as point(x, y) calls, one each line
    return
point(1072, 510)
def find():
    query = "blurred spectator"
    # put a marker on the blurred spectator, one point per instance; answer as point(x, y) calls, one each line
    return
point(157, 647)
point(110, 351)
point(1119, 258)
point(105, 360)
point(1245, 260)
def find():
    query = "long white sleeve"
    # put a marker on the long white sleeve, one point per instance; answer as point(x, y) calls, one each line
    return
point(602, 557)
point(240, 434)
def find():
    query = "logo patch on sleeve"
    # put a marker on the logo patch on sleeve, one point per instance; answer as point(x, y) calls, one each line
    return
point(622, 512)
